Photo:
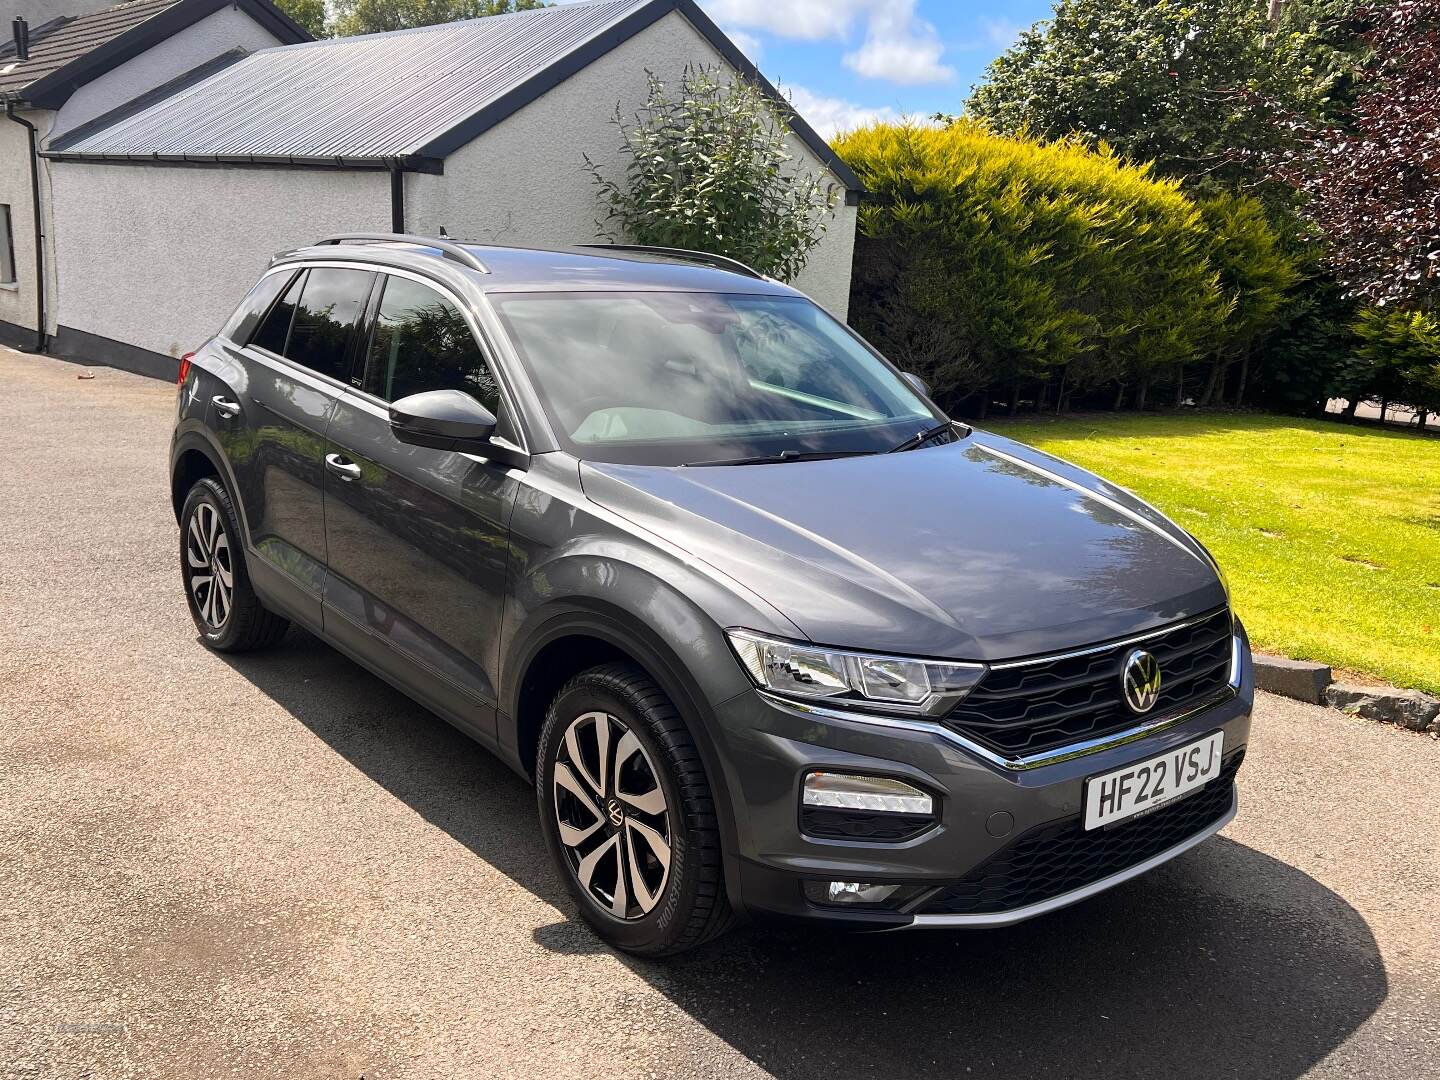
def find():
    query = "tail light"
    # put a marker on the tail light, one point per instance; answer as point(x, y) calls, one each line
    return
point(184, 368)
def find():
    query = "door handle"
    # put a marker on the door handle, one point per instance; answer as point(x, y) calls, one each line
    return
point(346, 470)
point(227, 409)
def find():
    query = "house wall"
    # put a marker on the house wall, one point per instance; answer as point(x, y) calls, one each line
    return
point(158, 256)
point(17, 301)
point(229, 28)
point(523, 181)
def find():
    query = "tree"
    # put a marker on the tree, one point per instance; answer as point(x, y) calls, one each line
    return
point(1373, 187)
point(1160, 81)
point(1255, 272)
point(308, 13)
point(710, 169)
point(376, 16)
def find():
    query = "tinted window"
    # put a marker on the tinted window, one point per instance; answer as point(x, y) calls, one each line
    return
point(254, 306)
point(276, 327)
point(329, 304)
point(422, 342)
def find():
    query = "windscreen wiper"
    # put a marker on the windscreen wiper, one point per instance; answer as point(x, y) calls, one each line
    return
point(920, 438)
point(782, 457)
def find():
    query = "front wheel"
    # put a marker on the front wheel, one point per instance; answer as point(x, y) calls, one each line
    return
point(628, 814)
point(226, 610)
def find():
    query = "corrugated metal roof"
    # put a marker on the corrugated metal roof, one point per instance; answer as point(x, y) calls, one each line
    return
point(55, 44)
point(414, 95)
point(373, 97)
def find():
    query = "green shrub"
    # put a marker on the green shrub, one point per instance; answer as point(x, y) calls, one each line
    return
point(985, 261)
point(1401, 353)
point(709, 169)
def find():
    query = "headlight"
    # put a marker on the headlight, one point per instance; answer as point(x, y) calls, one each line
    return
point(892, 683)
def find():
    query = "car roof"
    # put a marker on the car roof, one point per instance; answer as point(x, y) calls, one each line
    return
point(537, 269)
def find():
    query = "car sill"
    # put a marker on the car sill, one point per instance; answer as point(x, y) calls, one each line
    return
point(1055, 903)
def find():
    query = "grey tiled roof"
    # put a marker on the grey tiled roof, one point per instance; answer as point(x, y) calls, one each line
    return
point(55, 44)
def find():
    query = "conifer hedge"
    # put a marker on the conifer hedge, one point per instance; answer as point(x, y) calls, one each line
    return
point(1012, 265)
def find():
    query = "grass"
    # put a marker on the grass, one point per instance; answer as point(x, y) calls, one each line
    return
point(1329, 534)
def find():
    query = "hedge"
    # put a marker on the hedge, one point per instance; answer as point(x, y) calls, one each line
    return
point(998, 263)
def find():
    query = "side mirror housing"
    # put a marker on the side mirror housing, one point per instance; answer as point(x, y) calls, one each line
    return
point(442, 420)
point(916, 383)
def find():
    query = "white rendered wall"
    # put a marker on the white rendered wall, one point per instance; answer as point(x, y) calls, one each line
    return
point(17, 301)
point(523, 181)
point(159, 256)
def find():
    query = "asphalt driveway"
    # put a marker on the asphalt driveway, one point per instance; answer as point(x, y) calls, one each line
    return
point(278, 867)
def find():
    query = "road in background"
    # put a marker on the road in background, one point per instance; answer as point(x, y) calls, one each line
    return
point(276, 866)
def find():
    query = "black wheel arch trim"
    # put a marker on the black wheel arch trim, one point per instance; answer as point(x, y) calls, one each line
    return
point(579, 616)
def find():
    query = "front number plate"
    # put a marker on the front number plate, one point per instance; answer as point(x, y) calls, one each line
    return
point(1147, 784)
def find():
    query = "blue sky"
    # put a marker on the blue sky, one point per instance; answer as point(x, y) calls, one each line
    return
point(848, 61)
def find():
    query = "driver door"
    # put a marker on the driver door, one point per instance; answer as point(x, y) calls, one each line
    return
point(418, 539)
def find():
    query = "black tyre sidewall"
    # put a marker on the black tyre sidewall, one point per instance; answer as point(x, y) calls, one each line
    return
point(209, 491)
point(658, 931)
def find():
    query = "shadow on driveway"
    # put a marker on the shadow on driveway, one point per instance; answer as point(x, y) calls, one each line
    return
point(1187, 972)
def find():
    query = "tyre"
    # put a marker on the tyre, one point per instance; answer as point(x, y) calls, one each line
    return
point(628, 814)
point(226, 610)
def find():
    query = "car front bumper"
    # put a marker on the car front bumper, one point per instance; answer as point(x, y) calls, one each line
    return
point(983, 806)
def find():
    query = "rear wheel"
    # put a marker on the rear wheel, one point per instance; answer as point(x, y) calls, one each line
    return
point(628, 814)
point(226, 610)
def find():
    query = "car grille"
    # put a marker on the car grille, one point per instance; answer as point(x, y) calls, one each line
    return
point(1028, 709)
point(1055, 859)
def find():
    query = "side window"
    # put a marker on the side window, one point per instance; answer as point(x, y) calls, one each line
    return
point(422, 342)
point(242, 324)
point(330, 302)
point(7, 247)
point(276, 327)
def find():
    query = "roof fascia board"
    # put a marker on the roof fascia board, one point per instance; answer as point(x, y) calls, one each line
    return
point(640, 19)
point(410, 163)
point(52, 91)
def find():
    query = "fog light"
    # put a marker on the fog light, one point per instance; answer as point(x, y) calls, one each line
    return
point(877, 793)
point(848, 892)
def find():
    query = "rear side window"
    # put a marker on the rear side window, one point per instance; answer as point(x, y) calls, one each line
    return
point(276, 327)
point(421, 342)
point(330, 303)
point(248, 315)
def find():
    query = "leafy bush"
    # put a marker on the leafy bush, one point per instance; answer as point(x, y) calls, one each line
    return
point(1402, 352)
point(710, 170)
point(986, 261)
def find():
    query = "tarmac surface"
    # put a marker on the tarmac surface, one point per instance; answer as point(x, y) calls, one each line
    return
point(276, 866)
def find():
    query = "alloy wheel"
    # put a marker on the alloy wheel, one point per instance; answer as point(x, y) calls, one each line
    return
point(209, 567)
point(613, 818)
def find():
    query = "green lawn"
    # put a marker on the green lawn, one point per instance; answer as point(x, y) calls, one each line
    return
point(1329, 534)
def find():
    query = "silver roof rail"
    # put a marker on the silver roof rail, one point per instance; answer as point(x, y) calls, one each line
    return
point(447, 248)
point(719, 262)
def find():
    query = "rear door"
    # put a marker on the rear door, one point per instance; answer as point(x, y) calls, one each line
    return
point(296, 365)
point(418, 538)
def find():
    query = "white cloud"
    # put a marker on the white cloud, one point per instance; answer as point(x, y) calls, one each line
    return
point(748, 44)
point(807, 20)
point(900, 48)
point(829, 115)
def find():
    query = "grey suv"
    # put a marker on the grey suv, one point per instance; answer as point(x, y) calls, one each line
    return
point(766, 630)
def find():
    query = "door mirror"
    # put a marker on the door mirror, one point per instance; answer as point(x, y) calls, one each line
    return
point(442, 420)
point(916, 383)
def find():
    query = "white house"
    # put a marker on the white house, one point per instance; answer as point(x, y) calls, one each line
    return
point(168, 206)
point(66, 62)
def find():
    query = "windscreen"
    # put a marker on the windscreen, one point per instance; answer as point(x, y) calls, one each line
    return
point(675, 378)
